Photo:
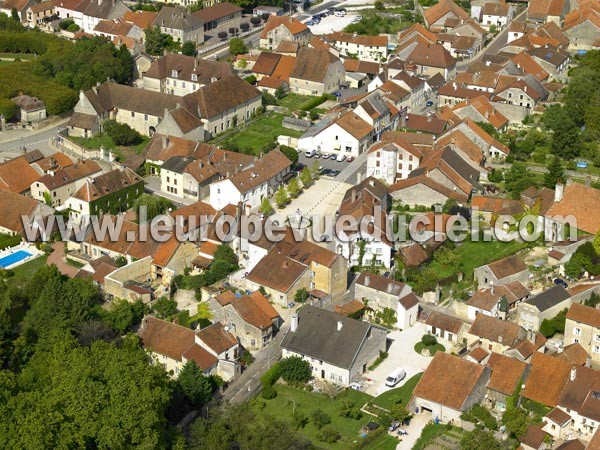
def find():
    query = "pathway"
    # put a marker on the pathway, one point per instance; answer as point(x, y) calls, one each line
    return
point(57, 257)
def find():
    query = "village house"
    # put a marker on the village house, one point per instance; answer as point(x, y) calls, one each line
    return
point(438, 394)
point(252, 184)
point(543, 11)
point(380, 293)
point(110, 193)
point(217, 339)
point(506, 374)
point(180, 25)
point(316, 72)
point(582, 27)
point(13, 207)
point(494, 335)
point(264, 9)
point(446, 327)
point(480, 109)
point(546, 380)
point(365, 48)
point(552, 59)
point(582, 326)
point(57, 185)
point(543, 306)
point(394, 157)
point(31, 109)
point(496, 14)
point(489, 301)
point(284, 28)
point(187, 177)
point(431, 59)
point(444, 15)
point(288, 266)
point(177, 74)
point(575, 205)
point(339, 349)
point(218, 15)
point(502, 271)
point(40, 15)
point(250, 318)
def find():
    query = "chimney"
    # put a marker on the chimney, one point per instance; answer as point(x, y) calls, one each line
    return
point(588, 361)
point(340, 324)
point(367, 280)
point(294, 323)
point(559, 192)
point(353, 195)
point(500, 339)
point(493, 288)
point(165, 142)
point(573, 373)
point(390, 286)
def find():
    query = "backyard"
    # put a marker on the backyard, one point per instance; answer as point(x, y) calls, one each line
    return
point(290, 401)
point(399, 395)
point(105, 141)
point(260, 136)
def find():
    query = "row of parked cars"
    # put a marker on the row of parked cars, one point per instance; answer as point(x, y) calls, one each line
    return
point(316, 19)
point(318, 155)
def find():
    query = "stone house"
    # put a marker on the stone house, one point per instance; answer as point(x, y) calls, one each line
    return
point(180, 25)
point(502, 271)
point(488, 301)
point(446, 327)
point(506, 374)
point(365, 48)
point(250, 318)
point(283, 28)
point(543, 306)
point(339, 349)
point(582, 326)
point(444, 15)
point(13, 206)
point(582, 27)
point(394, 157)
point(316, 72)
point(219, 15)
point(494, 335)
point(31, 109)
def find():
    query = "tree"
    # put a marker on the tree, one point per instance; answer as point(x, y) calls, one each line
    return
point(153, 205)
point(157, 42)
point(123, 314)
point(503, 307)
point(255, 21)
point(596, 243)
point(290, 153)
point(515, 421)
point(429, 340)
point(237, 46)
point(329, 434)
point(319, 418)
point(565, 140)
point(294, 188)
point(306, 177)
point(295, 370)
point(8, 109)
point(266, 208)
point(555, 173)
point(478, 439)
point(14, 14)
point(400, 413)
point(244, 26)
point(188, 48)
point(495, 176)
point(196, 387)
point(121, 133)
point(387, 317)
point(517, 179)
point(379, 6)
point(165, 308)
point(281, 197)
point(301, 295)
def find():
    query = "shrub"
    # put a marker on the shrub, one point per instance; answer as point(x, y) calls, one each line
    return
point(268, 392)
point(255, 21)
point(121, 133)
point(222, 35)
point(64, 24)
point(329, 434)
point(319, 418)
point(244, 26)
point(252, 80)
point(314, 102)
point(7, 108)
point(429, 340)
point(271, 376)
point(295, 370)
point(313, 114)
point(73, 28)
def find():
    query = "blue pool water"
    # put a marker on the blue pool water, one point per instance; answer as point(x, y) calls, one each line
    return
point(9, 260)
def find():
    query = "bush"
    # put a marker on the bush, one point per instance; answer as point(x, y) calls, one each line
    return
point(271, 376)
point(244, 26)
point(7, 108)
point(237, 46)
point(64, 24)
point(73, 28)
point(319, 418)
point(313, 114)
point(255, 21)
point(314, 102)
point(121, 133)
point(556, 325)
point(429, 340)
point(480, 414)
point(252, 80)
point(268, 392)
point(295, 370)
point(329, 434)
point(222, 35)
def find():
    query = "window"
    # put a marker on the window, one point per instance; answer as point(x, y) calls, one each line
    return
point(183, 84)
point(174, 73)
point(576, 341)
point(194, 77)
point(597, 338)
point(577, 331)
point(145, 116)
point(253, 342)
point(132, 114)
point(596, 348)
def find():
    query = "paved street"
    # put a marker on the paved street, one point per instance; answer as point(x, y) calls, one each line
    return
point(13, 141)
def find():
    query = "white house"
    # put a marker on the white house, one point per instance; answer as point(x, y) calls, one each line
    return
point(365, 48)
point(393, 158)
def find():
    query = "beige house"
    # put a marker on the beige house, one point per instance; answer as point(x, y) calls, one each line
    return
point(500, 272)
point(316, 72)
point(446, 327)
point(13, 206)
point(31, 109)
point(543, 306)
point(583, 327)
point(180, 25)
point(494, 335)
point(365, 48)
point(250, 318)
point(284, 28)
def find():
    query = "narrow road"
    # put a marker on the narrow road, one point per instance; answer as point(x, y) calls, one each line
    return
point(12, 142)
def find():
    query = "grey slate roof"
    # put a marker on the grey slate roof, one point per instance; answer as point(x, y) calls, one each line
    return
point(177, 163)
point(177, 18)
point(549, 298)
point(317, 336)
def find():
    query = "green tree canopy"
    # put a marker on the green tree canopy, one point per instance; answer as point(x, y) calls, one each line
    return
point(237, 46)
point(197, 387)
point(295, 370)
point(188, 48)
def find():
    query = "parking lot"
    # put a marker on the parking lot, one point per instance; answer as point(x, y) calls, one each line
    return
point(401, 354)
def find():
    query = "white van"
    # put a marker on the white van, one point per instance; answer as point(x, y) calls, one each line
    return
point(309, 153)
point(395, 377)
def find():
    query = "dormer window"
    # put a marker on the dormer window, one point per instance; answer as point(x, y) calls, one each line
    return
point(174, 73)
point(194, 77)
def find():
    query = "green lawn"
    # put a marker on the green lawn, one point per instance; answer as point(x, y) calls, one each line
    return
point(29, 268)
point(259, 136)
point(289, 398)
point(104, 140)
point(473, 254)
point(294, 102)
point(433, 349)
point(5, 63)
point(385, 442)
point(398, 395)
point(22, 56)
point(433, 431)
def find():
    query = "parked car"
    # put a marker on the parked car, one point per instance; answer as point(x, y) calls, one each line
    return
point(325, 155)
point(395, 377)
point(350, 158)
point(429, 103)
point(394, 426)
point(561, 282)
point(333, 156)
point(338, 94)
point(335, 172)
point(356, 386)
point(402, 433)
point(310, 23)
point(309, 153)
point(340, 158)
point(340, 13)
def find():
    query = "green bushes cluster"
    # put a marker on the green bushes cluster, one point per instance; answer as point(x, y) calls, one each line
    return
point(121, 133)
point(21, 43)
point(7, 108)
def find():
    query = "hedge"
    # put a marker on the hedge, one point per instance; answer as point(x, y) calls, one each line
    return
point(21, 43)
point(7, 108)
point(314, 102)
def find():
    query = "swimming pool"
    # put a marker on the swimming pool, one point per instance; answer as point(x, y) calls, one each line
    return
point(14, 258)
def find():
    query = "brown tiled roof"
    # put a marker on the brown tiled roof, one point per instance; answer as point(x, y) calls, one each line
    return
point(580, 391)
point(107, 184)
point(534, 436)
point(266, 63)
point(70, 174)
point(83, 121)
point(293, 25)
point(255, 309)
point(495, 9)
point(431, 55)
point(12, 206)
point(444, 322)
point(457, 140)
point(413, 254)
point(574, 354)
point(496, 205)
point(19, 5)
point(225, 297)
point(356, 65)
point(261, 171)
point(312, 64)
point(496, 330)
point(351, 307)
point(380, 283)
point(427, 124)
point(277, 271)
point(215, 337)
point(506, 373)
point(16, 175)
point(419, 30)
point(355, 125)
point(143, 19)
point(588, 12)
point(544, 8)
point(44, 6)
point(439, 10)
point(558, 416)
point(28, 103)
point(54, 161)
point(478, 354)
point(506, 267)
point(439, 385)
point(583, 202)
point(215, 98)
point(174, 341)
point(217, 11)
point(287, 47)
point(576, 444)
point(205, 70)
point(409, 301)
point(165, 251)
point(369, 41)
point(546, 379)
point(114, 27)
point(584, 314)
point(427, 181)
point(528, 65)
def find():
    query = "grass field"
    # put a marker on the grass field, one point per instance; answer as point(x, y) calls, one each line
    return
point(5, 63)
point(294, 102)
point(399, 395)
point(28, 269)
point(22, 56)
point(433, 349)
point(290, 399)
point(103, 140)
point(259, 136)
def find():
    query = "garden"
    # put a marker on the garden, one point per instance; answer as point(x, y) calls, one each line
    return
point(429, 346)
point(400, 395)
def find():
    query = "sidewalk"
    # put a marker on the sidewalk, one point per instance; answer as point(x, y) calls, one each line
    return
point(21, 133)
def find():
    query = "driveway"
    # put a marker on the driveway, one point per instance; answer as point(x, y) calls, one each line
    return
point(414, 430)
point(400, 354)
